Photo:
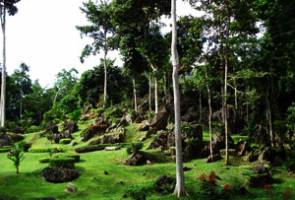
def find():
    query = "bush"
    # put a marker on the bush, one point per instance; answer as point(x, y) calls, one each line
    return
point(134, 148)
point(33, 129)
point(91, 148)
point(64, 162)
point(5, 149)
point(47, 150)
point(65, 141)
point(138, 192)
point(75, 115)
point(74, 157)
point(26, 146)
point(291, 119)
point(16, 155)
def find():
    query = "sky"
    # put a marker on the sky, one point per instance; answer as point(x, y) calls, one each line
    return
point(43, 35)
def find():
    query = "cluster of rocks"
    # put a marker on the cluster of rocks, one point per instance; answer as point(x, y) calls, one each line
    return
point(7, 139)
point(53, 134)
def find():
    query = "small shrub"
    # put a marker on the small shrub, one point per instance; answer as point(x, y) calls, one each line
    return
point(65, 141)
point(75, 115)
point(5, 149)
point(64, 162)
point(134, 148)
point(34, 129)
point(138, 192)
point(16, 155)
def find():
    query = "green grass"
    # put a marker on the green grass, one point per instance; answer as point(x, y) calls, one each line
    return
point(93, 184)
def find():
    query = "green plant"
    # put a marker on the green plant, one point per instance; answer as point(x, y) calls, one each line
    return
point(16, 155)
point(138, 192)
point(33, 129)
point(64, 162)
point(134, 148)
point(291, 118)
point(65, 141)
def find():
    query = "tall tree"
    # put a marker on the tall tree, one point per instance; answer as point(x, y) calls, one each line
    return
point(101, 31)
point(179, 188)
point(6, 6)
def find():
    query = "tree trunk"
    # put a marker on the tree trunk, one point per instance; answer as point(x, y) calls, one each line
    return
point(105, 88)
point(156, 97)
point(209, 114)
point(179, 188)
point(105, 82)
point(150, 97)
point(134, 95)
point(225, 111)
point(21, 105)
point(3, 84)
point(269, 119)
point(200, 107)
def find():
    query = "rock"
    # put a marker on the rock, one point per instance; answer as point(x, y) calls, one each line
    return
point(52, 128)
point(97, 129)
point(165, 184)
point(70, 126)
point(215, 157)
point(89, 148)
point(161, 140)
point(71, 188)
point(113, 138)
point(242, 147)
point(60, 174)
point(185, 169)
point(4, 140)
point(267, 154)
point(114, 148)
point(147, 135)
point(143, 127)
point(160, 121)
point(136, 159)
point(251, 157)
point(262, 176)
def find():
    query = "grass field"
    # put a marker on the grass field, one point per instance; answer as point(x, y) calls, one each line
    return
point(93, 184)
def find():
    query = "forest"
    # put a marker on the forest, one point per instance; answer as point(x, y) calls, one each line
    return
point(202, 107)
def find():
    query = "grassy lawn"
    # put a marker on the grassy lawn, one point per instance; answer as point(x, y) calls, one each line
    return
point(93, 184)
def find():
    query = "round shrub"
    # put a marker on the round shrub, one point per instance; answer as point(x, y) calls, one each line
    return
point(134, 148)
point(65, 141)
point(63, 162)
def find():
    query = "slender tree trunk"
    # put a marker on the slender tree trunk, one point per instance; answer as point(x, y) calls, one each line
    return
point(134, 95)
point(150, 97)
point(222, 102)
point(21, 105)
point(165, 85)
point(105, 88)
point(105, 82)
point(179, 188)
point(225, 112)
point(209, 114)
point(3, 84)
point(156, 97)
point(236, 95)
point(269, 119)
point(200, 107)
point(56, 95)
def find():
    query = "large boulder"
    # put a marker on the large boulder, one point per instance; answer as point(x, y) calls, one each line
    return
point(94, 130)
point(70, 126)
point(162, 140)
point(165, 184)
point(242, 148)
point(160, 121)
point(4, 140)
point(261, 177)
point(136, 159)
